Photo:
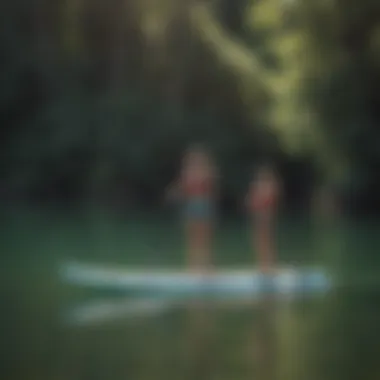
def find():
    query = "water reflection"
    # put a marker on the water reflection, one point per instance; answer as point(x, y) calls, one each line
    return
point(229, 340)
point(331, 338)
point(265, 340)
point(199, 341)
point(345, 339)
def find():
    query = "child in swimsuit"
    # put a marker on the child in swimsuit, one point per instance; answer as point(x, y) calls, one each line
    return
point(262, 202)
point(196, 188)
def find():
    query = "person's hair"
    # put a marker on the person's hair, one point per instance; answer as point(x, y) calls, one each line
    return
point(264, 166)
point(196, 147)
point(203, 150)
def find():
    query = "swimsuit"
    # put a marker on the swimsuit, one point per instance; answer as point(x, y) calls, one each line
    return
point(198, 208)
point(263, 205)
point(198, 203)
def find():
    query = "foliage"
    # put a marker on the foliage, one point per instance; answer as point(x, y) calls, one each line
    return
point(120, 88)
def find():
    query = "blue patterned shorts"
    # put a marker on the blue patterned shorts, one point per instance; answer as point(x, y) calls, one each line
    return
point(199, 208)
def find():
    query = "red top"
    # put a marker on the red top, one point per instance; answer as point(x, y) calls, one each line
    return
point(197, 187)
point(262, 201)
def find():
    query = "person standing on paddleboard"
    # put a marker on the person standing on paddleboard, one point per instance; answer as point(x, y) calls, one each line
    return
point(196, 189)
point(262, 202)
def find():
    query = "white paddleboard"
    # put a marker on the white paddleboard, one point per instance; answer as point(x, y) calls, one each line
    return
point(176, 282)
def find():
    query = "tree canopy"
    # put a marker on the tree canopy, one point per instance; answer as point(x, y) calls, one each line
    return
point(121, 87)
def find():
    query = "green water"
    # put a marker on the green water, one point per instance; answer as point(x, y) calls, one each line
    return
point(332, 337)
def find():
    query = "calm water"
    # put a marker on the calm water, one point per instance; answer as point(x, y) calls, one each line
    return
point(332, 337)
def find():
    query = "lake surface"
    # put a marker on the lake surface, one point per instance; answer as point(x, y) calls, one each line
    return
point(336, 336)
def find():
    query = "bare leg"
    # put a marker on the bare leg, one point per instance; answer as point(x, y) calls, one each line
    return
point(199, 242)
point(264, 245)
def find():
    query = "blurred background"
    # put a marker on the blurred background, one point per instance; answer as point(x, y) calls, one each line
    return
point(99, 99)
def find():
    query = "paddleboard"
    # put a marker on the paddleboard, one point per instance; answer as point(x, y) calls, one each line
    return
point(243, 281)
